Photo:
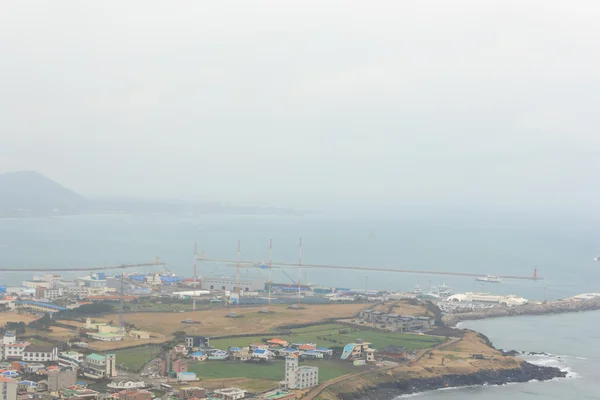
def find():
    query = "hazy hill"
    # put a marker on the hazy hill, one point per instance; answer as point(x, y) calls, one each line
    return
point(29, 193)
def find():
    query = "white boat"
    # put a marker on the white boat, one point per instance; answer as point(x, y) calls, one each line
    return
point(417, 290)
point(439, 292)
point(489, 278)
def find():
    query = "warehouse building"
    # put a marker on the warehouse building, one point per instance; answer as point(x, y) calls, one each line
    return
point(227, 283)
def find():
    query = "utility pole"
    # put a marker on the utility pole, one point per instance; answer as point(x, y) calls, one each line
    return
point(195, 275)
point(237, 279)
point(270, 273)
point(121, 319)
point(299, 269)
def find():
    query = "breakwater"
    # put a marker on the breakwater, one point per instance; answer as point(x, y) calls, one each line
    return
point(553, 307)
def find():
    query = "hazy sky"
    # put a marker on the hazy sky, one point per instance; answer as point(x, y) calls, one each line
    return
point(301, 103)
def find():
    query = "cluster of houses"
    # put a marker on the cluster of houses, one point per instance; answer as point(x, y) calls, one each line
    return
point(30, 368)
point(273, 348)
point(396, 322)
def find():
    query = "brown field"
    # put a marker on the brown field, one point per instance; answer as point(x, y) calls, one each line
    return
point(14, 317)
point(214, 322)
point(403, 308)
point(126, 342)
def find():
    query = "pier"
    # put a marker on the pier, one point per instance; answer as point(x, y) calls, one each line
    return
point(62, 269)
point(253, 264)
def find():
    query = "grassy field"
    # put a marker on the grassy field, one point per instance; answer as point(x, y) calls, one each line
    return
point(273, 370)
point(329, 336)
point(134, 359)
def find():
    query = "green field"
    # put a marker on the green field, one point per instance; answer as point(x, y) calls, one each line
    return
point(273, 370)
point(328, 336)
point(134, 359)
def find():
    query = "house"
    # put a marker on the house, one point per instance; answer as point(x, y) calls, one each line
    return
point(27, 386)
point(139, 334)
point(135, 394)
point(193, 393)
point(97, 366)
point(199, 356)
point(288, 352)
point(8, 389)
point(70, 359)
point(325, 351)
point(10, 374)
point(61, 378)
point(181, 349)
point(217, 354)
point(311, 354)
point(40, 353)
point(33, 367)
point(355, 350)
point(229, 394)
point(77, 392)
point(278, 342)
point(262, 354)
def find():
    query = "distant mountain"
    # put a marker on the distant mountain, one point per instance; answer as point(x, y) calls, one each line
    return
point(29, 193)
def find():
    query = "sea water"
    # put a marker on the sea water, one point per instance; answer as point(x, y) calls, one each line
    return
point(562, 252)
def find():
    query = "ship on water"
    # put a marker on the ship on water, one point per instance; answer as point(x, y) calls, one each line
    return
point(489, 278)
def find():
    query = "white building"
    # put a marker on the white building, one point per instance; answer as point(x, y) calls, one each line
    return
point(77, 291)
point(11, 349)
point(36, 284)
point(97, 366)
point(300, 377)
point(471, 297)
point(70, 359)
point(40, 353)
point(230, 284)
point(229, 394)
point(8, 388)
point(53, 294)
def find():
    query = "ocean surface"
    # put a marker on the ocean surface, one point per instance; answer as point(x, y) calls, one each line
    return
point(562, 251)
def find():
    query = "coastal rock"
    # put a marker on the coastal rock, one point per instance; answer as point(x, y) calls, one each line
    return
point(387, 391)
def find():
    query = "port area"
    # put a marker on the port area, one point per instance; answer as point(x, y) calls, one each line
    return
point(395, 337)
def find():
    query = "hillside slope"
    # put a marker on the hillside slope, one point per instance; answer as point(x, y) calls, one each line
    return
point(29, 193)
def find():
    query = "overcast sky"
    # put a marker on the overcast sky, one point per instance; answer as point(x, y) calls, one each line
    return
point(302, 103)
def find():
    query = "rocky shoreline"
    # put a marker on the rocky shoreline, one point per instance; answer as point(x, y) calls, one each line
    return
point(554, 307)
point(525, 373)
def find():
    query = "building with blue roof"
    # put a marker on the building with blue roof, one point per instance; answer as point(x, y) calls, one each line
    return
point(39, 306)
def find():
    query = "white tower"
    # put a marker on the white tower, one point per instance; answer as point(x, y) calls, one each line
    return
point(291, 368)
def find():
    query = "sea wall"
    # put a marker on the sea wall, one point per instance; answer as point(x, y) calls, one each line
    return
point(387, 391)
point(553, 307)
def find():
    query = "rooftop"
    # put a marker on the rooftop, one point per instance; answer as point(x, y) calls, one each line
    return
point(40, 349)
point(97, 357)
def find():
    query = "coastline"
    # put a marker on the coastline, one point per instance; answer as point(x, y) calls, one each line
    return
point(554, 307)
point(387, 391)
